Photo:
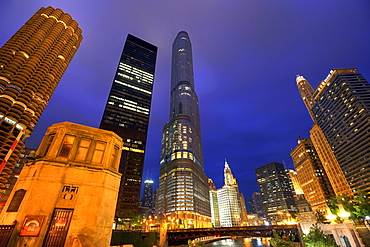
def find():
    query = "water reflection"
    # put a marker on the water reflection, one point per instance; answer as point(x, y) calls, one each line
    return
point(241, 242)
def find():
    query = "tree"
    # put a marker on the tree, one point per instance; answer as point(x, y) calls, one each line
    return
point(320, 217)
point(361, 204)
point(128, 219)
point(317, 238)
point(280, 241)
point(358, 205)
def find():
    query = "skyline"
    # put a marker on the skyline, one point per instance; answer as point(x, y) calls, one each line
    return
point(246, 57)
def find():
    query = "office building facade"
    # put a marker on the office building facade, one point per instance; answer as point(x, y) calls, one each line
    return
point(233, 211)
point(257, 204)
point(32, 63)
point(213, 199)
point(229, 207)
point(341, 111)
point(147, 200)
point(296, 185)
point(127, 114)
point(311, 175)
point(276, 190)
point(230, 202)
point(330, 163)
point(183, 191)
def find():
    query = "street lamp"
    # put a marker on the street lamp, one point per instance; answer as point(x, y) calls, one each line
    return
point(280, 213)
point(343, 214)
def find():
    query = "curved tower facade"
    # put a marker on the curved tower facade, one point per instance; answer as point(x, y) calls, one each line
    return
point(183, 192)
point(32, 63)
point(307, 93)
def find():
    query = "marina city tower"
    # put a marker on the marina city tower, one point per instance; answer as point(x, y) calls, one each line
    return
point(32, 62)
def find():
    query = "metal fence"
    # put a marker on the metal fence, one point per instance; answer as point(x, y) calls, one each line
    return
point(5, 233)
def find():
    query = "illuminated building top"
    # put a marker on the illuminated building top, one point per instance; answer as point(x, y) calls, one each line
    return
point(229, 177)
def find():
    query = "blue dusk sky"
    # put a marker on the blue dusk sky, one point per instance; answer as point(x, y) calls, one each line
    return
point(246, 56)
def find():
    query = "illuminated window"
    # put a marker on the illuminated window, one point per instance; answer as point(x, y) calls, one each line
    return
point(62, 58)
point(66, 146)
point(83, 149)
point(99, 151)
point(178, 155)
point(48, 144)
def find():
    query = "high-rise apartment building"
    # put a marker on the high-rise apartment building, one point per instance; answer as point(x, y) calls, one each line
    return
point(276, 191)
point(323, 149)
point(147, 200)
point(183, 191)
point(311, 175)
point(127, 114)
point(32, 63)
point(341, 111)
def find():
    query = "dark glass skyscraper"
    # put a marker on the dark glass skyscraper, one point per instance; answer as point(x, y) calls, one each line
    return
point(147, 200)
point(183, 185)
point(257, 203)
point(127, 114)
point(276, 191)
point(32, 63)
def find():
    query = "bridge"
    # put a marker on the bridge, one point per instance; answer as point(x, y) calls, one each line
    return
point(181, 236)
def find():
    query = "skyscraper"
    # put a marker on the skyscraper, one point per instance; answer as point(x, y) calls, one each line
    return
point(341, 111)
point(213, 199)
point(257, 204)
point(297, 189)
point(127, 114)
point(330, 163)
point(32, 63)
point(183, 186)
point(231, 203)
point(147, 200)
point(311, 175)
point(276, 191)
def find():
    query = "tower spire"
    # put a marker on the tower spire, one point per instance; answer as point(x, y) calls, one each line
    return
point(307, 93)
point(229, 177)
